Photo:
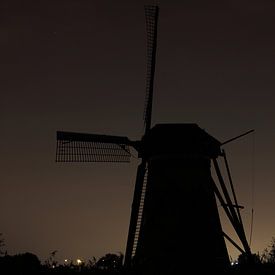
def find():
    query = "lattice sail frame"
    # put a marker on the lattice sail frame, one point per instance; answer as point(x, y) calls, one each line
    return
point(151, 15)
point(72, 147)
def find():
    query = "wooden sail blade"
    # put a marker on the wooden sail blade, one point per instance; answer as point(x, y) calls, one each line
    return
point(151, 13)
point(136, 214)
point(79, 147)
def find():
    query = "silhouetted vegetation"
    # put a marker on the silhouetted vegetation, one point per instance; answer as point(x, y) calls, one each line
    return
point(112, 264)
point(28, 264)
point(259, 264)
point(2, 244)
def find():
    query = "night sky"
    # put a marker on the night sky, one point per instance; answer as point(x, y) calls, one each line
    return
point(80, 66)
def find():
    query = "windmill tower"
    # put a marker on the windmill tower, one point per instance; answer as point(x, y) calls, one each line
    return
point(174, 221)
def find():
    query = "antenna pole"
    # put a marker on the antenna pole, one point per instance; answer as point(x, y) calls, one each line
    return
point(251, 226)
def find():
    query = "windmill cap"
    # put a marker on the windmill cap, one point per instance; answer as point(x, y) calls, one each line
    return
point(184, 138)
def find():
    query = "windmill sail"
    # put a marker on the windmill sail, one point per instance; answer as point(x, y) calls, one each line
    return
point(78, 147)
point(151, 14)
point(137, 213)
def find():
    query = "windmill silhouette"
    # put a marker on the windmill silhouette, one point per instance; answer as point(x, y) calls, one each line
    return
point(174, 216)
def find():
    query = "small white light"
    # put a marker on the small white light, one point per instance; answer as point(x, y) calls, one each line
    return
point(78, 261)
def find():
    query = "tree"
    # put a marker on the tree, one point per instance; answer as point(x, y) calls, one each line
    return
point(110, 262)
point(51, 262)
point(23, 264)
point(2, 244)
point(268, 255)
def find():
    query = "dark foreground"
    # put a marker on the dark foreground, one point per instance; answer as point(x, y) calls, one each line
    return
point(110, 264)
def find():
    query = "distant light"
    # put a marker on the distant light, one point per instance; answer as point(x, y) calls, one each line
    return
point(78, 261)
point(66, 260)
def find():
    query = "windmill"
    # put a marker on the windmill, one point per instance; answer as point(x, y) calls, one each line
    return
point(174, 213)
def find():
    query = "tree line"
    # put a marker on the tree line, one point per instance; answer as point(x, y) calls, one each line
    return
point(112, 264)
